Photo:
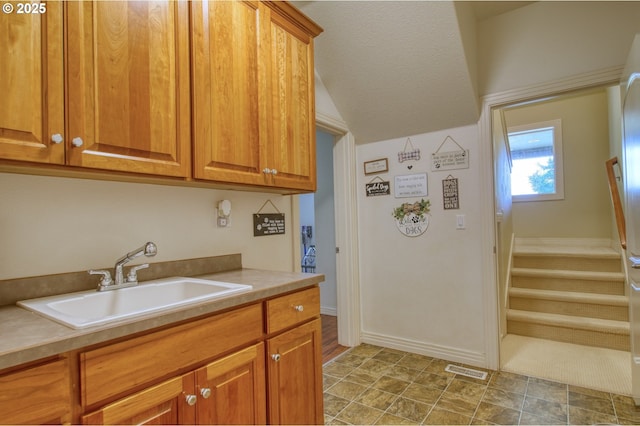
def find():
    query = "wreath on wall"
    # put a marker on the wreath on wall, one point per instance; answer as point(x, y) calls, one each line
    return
point(412, 219)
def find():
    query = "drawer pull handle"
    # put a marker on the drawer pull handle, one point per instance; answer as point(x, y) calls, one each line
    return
point(191, 399)
point(299, 308)
point(275, 357)
point(205, 392)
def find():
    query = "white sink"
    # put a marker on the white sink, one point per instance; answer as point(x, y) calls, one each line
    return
point(90, 308)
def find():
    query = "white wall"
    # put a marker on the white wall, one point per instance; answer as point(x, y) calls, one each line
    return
point(52, 225)
point(423, 293)
point(549, 40)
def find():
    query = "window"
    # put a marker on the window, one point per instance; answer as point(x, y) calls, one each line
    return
point(536, 155)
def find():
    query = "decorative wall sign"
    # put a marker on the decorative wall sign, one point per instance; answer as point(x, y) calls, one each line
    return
point(450, 160)
point(412, 219)
point(268, 223)
point(411, 185)
point(377, 186)
point(376, 166)
point(409, 152)
point(450, 193)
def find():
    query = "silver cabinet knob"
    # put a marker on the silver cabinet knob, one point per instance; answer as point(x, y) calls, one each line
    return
point(299, 308)
point(205, 392)
point(191, 399)
point(77, 141)
point(274, 172)
point(275, 357)
point(57, 138)
point(266, 170)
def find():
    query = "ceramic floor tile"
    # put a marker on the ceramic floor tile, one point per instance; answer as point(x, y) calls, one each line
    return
point(438, 416)
point(497, 414)
point(409, 409)
point(422, 394)
point(358, 414)
point(580, 416)
point(503, 398)
point(376, 398)
point(547, 409)
point(373, 385)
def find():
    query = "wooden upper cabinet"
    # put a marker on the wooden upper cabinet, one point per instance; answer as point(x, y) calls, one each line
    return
point(32, 86)
point(225, 53)
point(253, 94)
point(289, 93)
point(128, 86)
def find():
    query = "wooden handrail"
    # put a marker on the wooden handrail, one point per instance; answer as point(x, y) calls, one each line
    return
point(617, 204)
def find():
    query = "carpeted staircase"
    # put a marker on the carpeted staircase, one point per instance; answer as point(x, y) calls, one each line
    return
point(569, 291)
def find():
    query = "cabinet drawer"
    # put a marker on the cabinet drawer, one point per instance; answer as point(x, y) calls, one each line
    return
point(36, 395)
point(294, 308)
point(113, 370)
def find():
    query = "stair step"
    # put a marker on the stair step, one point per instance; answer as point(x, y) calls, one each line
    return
point(604, 306)
point(568, 280)
point(567, 261)
point(571, 329)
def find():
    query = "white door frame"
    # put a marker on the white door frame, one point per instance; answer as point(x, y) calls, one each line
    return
point(346, 220)
point(489, 260)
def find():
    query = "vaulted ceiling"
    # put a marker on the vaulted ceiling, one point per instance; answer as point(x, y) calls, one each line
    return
point(398, 68)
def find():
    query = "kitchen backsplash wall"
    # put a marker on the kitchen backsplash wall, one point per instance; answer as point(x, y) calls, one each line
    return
point(52, 225)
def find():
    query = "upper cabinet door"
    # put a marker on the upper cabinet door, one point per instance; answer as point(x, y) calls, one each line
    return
point(225, 45)
point(32, 86)
point(289, 130)
point(128, 86)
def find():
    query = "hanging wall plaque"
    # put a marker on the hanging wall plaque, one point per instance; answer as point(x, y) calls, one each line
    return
point(411, 185)
point(450, 193)
point(450, 160)
point(409, 152)
point(377, 186)
point(412, 219)
point(268, 223)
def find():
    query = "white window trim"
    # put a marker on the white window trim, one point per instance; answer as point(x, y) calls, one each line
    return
point(557, 156)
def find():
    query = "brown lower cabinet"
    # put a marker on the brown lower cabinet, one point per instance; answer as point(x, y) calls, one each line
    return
point(228, 391)
point(256, 364)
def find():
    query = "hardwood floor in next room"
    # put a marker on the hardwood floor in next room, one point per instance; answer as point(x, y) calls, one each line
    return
point(330, 346)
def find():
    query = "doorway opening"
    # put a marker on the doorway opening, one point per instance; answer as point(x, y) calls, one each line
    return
point(532, 297)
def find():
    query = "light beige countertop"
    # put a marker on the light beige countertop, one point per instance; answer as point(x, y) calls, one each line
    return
point(26, 336)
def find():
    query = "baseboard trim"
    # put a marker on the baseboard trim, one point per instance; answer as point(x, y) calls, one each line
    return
point(324, 310)
point(476, 359)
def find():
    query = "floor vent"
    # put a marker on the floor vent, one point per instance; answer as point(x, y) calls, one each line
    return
point(466, 372)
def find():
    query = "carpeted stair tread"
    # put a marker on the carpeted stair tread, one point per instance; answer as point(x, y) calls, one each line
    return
point(569, 274)
point(571, 322)
point(570, 296)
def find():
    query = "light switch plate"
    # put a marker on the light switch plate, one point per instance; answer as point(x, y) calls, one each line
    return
point(460, 221)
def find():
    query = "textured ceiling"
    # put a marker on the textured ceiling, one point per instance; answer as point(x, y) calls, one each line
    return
point(396, 68)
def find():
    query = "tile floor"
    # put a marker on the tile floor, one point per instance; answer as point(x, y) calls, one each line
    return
point(374, 385)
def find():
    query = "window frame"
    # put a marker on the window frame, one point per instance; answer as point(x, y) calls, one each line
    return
point(557, 160)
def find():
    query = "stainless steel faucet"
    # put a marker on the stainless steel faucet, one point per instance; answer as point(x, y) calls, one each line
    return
point(106, 283)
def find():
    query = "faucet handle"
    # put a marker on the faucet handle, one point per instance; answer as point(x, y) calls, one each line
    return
point(106, 276)
point(132, 276)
